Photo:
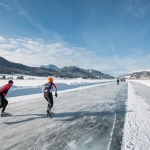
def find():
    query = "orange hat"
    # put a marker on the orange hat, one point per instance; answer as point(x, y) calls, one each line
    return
point(50, 79)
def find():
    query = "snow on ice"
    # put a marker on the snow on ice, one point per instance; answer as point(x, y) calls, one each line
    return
point(30, 87)
point(137, 124)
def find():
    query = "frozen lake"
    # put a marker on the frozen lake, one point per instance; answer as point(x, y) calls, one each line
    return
point(92, 118)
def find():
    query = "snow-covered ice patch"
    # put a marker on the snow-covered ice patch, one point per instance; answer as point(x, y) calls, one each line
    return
point(137, 124)
point(39, 81)
point(145, 82)
point(35, 96)
point(29, 87)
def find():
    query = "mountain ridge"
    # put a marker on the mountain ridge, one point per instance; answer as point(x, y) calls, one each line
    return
point(139, 74)
point(7, 67)
point(50, 66)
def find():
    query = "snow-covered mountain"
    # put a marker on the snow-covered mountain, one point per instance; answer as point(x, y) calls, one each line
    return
point(50, 66)
point(139, 74)
point(7, 67)
point(148, 70)
point(73, 71)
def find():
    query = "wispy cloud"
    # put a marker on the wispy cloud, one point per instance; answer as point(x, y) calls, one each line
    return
point(35, 52)
point(25, 14)
point(6, 6)
point(135, 51)
point(137, 8)
point(45, 52)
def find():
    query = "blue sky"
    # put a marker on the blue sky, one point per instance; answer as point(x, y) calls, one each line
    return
point(110, 36)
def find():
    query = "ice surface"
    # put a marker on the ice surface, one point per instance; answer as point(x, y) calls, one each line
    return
point(84, 118)
point(88, 119)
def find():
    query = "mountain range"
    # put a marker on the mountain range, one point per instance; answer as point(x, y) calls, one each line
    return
point(140, 74)
point(7, 67)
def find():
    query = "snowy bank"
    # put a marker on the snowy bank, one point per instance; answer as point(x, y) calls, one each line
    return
point(30, 87)
point(39, 82)
point(145, 82)
point(35, 96)
point(137, 124)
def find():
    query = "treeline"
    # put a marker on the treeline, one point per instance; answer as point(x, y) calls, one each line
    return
point(11, 77)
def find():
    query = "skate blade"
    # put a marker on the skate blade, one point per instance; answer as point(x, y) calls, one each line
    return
point(49, 114)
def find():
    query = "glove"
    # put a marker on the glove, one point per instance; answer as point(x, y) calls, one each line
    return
point(56, 94)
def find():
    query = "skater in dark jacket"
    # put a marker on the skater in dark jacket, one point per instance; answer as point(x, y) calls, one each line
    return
point(3, 92)
point(118, 81)
point(47, 90)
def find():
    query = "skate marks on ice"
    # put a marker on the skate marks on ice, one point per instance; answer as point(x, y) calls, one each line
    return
point(91, 120)
point(99, 128)
point(120, 110)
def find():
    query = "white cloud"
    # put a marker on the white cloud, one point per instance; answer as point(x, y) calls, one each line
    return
point(2, 39)
point(37, 52)
point(6, 6)
point(41, 52)
point(135, 51)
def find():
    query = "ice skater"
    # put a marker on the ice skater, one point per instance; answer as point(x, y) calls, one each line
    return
point(118, 81)
point(47, 90)
point(3, 92)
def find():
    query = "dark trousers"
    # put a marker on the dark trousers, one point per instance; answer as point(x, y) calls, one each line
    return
point(3, 102)
point(49, 98)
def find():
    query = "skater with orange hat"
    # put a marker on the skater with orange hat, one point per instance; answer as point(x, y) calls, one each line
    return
point(47, 90)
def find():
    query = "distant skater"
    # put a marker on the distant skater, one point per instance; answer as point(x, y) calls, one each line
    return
point(118, 81)
point(3, 92)
point(47, 90)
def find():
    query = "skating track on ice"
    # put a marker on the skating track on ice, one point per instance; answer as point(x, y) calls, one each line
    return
point(89, 119)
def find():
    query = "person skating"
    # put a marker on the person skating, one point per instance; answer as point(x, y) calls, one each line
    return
point(47, 90)
point(3, 92)
point(118, 81)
